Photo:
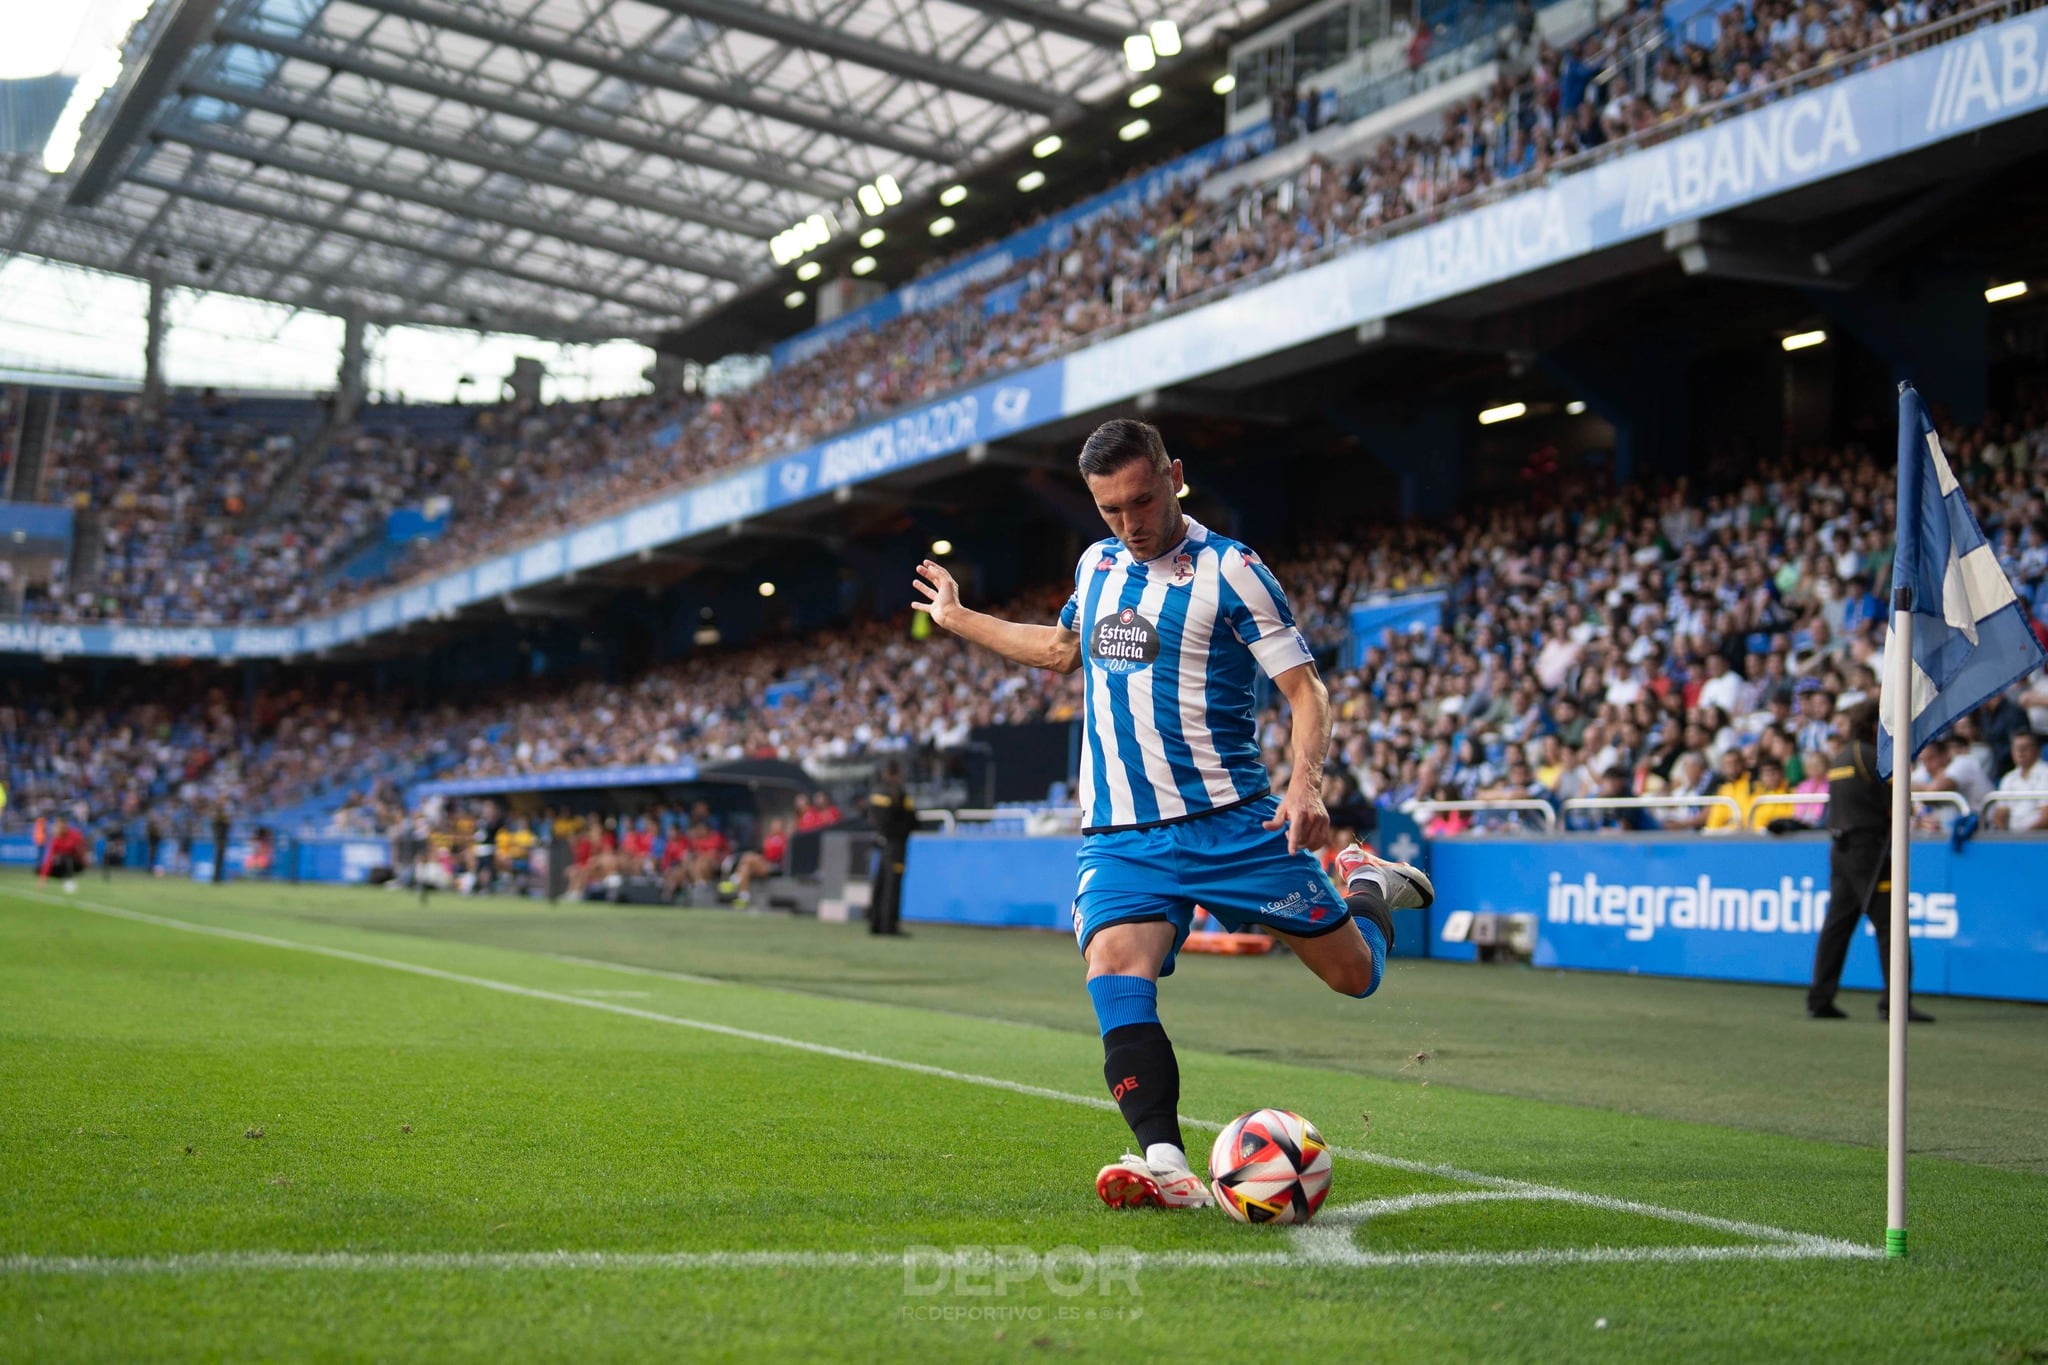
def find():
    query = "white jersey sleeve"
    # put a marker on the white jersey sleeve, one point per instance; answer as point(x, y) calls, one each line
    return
point(1259, 616)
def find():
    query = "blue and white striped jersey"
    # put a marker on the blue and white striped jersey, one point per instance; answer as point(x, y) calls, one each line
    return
point(1167, 651)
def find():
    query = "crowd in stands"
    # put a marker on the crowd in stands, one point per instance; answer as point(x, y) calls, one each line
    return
point(1666, 641)
point(1651, 640)
point(178, 549)
point(177, 755)
point(1663, 643)
point(172, 497)
point(179, 508)
point(863, 690)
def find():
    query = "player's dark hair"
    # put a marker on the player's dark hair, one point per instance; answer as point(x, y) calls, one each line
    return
point(1117, 443)
point(1861, 721)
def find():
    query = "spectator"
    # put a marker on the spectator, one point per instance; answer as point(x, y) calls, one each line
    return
point(1998, 721)
point(1736, 784)
point(1947, 765)
point(1816, 732)
point(2027, 776)
point(1723, 687)
point(1763, 813)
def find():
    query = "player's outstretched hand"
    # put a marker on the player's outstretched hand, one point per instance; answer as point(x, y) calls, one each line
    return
point(941, 592)
point(1306, 818)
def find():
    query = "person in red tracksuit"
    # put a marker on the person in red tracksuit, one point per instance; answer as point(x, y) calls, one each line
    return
point(708, 851)
point(64, 856)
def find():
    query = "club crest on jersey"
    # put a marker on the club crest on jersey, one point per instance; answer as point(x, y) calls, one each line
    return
point(1183, 570)
point(1248, 556)
point(1105, 564)
point(1124, 642)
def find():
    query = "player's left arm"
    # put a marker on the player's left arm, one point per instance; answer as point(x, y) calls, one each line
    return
point(1301, 808)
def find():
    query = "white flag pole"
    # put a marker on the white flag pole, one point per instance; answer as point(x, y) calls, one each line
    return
point(1899, 660)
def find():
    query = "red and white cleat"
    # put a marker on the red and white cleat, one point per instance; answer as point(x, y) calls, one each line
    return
point(1402, 886)
point(1133, 1183)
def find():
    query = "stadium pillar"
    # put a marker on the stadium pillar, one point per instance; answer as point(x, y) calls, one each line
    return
point(153, 347)
point(1931, 327)
point(1640, 391)
point(348, 382)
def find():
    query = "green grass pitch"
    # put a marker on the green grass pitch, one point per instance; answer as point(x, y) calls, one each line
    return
point(286, 1123)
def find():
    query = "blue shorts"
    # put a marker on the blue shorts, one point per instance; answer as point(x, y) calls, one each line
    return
point(1226, 863)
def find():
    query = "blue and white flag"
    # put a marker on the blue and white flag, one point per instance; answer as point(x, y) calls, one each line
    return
point(1972, 637)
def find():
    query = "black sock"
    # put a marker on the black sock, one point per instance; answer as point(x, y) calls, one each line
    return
point(1369, 906)
point(1144, 1079)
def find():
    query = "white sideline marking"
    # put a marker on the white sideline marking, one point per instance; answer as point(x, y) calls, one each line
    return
point(1324, 1244)
point(215, 1262)
point(1789, 1242)
point(630, 969)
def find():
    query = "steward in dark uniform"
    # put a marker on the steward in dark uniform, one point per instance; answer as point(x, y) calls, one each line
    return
point(893, 816)
point(116, 849)
point(220, 842)
point(1859, 865)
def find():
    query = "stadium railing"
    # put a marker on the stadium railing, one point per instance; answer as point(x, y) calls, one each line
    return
point(1951, 800)
point(2005, 799)
point(1595, 803)
point(1423, 810)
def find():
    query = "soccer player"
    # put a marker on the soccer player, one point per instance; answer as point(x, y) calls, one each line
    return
point(636, 848)
point(64, 856)
point(1167, 623)
point(754, 864)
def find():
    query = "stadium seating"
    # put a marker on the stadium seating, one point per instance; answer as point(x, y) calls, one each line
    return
point(1596, 641)
point(1556, 106)
point(510, 474)
point(170, 504)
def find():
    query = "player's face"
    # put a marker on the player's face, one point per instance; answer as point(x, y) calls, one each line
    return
point(1137, 503)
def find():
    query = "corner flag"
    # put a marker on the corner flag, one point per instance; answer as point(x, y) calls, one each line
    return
point(1971, 636)
point(1958, 635)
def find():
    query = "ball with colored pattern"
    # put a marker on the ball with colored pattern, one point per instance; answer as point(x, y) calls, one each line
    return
point(1270, 1166)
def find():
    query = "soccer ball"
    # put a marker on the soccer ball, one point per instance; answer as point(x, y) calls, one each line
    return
point(1270, 1166)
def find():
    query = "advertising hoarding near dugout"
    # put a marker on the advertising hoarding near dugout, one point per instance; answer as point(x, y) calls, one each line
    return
point(1970, 82)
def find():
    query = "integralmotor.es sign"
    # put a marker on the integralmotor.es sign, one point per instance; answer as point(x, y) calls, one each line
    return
point(1641, 910)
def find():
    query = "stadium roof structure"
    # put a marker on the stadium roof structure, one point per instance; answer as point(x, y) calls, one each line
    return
point(576, 169)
